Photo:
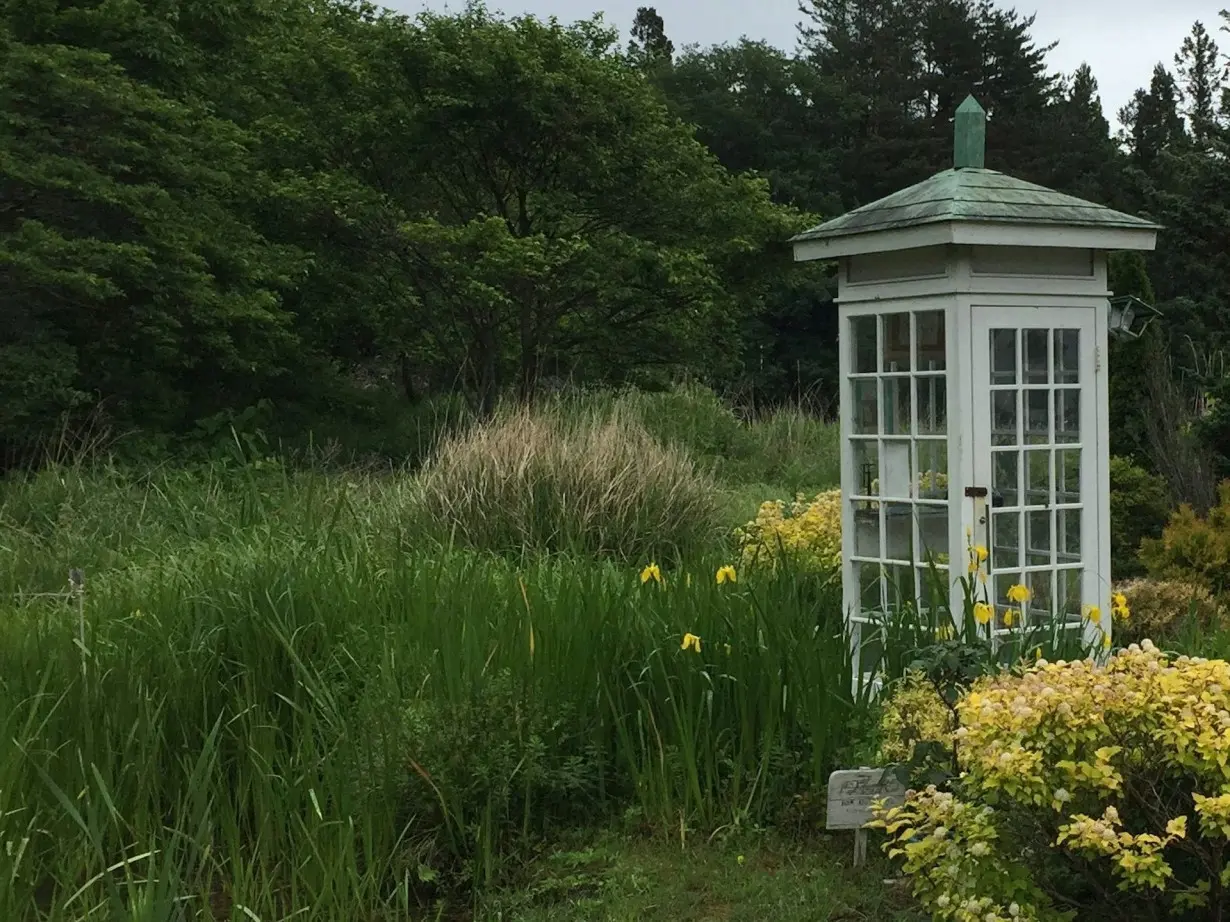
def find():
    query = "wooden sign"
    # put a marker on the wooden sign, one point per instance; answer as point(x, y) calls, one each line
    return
point(851, 795)
point(853, 791)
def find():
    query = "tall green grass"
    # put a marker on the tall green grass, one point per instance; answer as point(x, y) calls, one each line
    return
point(287, 703)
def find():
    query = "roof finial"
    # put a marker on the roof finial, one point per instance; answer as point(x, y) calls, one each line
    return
point(970, 147)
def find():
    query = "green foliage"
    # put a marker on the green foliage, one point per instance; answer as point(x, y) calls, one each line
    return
point(538, 264)
point(549, 481)
point(1140, 507)
point(505, 763)
point(739, 877)
point(789, 445)
point(1194, 549)
point(126, 271)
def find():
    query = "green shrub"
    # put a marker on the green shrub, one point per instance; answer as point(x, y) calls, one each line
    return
point(491, 769)
point(550, 481)
point(1194, 549)
point(1140, 506)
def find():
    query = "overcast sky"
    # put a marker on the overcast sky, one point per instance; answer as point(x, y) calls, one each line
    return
point(1121, 39)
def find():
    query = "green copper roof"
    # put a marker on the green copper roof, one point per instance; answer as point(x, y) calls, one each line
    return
point(974, 195)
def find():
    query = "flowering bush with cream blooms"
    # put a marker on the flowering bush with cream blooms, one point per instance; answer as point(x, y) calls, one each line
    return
point(1087, 791)
point(807, 531)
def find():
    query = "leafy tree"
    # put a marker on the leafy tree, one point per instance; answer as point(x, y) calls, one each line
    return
point(1200, 71)
point(578, 230)
point(759, 109)
point(649, 44)
point(126, 273)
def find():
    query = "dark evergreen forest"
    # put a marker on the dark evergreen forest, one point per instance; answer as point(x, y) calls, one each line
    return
point(318, 219)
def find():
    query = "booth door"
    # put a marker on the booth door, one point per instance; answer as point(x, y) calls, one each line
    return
point(1035, 457)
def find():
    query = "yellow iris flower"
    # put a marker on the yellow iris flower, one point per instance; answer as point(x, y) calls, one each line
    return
point(726, 575)
point(690, 642)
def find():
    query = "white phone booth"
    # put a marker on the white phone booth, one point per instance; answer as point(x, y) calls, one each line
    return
point(973, 342)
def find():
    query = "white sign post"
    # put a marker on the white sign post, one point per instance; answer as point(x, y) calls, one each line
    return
point(852, 793)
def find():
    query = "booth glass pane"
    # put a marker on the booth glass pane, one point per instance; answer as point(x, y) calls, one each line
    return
point(1006, 478)
point(899, 531)
point(863, 345)
point(1070, 602)
point(929, 326)
point(931, 479)
point(1067, 356)
point(932, 534)
point(866, 467)
point(897, 406)
point(864, 414)
point(1003, 356)
point(901, 588)
point(1041, 586)
point(1067, 476)
point(932, 405)
point(1038, 477)
point(1068, 536)
point(896, 342)
point(1037, 418)
point(1004, 427)
point(1038, 538)
point(1005, 540)
point(1035, 345)
point(896, 469)
point(867, 529)
point(1067, 415)
point(870, 587)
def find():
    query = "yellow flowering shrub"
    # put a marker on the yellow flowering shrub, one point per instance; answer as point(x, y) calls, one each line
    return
point(913, 713)
point(1114, 779)
point(808, 531)
point(1158, 606)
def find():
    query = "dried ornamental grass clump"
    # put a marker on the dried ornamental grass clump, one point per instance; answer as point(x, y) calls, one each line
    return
point(1114, 778)
point(545, 481)
point(807, 532)
point(1160, 606)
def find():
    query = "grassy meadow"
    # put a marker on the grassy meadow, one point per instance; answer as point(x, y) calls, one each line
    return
point(287, 692)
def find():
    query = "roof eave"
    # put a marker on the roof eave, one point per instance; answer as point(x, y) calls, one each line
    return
point(986, 233)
